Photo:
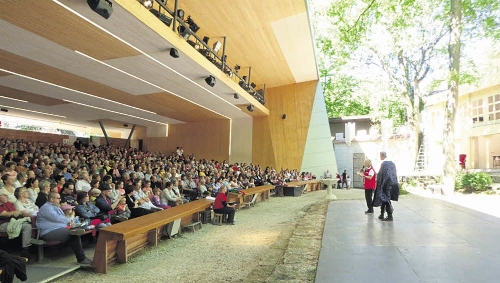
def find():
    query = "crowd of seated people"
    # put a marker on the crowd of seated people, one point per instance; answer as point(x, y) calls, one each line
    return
point(106, 185)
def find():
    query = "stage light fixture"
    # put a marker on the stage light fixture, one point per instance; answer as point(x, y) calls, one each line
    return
point(174, 53)
point(217, 46)
point(244, 78)
point(210, 80)
point(192, 25)
point(147, 3)
point(236, 96)
point(206, 39)
point(184, 32)
point(250, 108)
point(253, 85)
point(194, 44)
point(180, 14)
point(101, 7)
point(237, 68)
point(4, 109)
point(283, 116)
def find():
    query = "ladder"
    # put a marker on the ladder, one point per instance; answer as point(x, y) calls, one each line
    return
point(421, 163)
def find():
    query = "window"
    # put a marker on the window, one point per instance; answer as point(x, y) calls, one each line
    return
point(494, 107)
point(477, 111)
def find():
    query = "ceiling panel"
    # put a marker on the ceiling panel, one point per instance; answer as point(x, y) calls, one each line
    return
point(53, 22)
point(30, 97)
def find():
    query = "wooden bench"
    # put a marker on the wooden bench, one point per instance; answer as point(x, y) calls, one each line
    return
point(296, 188)
point(262, 192)
point(119, 241)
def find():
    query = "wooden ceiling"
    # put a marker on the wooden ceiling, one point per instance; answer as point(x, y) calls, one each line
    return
point(175, 92)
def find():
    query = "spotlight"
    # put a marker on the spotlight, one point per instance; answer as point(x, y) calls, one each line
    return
point(224, 58)
point(174, 53)
point(244, 79)
point(4, 110)
point(101, 7)
point(180, 13)
point(237, 68)
point(184, 32)
point(147, 3)
point(194, 44)
point(125, 125)
point(216, 47)
point(206, 39)
point(236, 96)
point(210, 80)
point(192, 25)
point(250, 108)
point(253, 85)
point(283, 116)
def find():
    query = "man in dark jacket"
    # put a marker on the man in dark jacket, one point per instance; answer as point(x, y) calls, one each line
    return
point(387, 187)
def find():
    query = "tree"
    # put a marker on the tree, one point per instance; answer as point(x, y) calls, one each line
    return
point(401, 38)
point(482, 19)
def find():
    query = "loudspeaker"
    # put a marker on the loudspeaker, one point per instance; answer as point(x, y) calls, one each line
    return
point(283, 116)
point(174, 53)
point(101, 7)
point(210, 80)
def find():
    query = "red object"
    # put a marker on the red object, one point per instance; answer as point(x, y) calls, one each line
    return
point(461, 158)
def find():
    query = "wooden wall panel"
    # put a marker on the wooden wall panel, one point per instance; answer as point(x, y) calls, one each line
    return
point(208, 139)
point(262, 147)
point(31, 136)
point(156, 145)
point(287, 136)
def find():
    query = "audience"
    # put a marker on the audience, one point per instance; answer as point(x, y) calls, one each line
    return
point(53, 224)
point(8, 212)
point(41, 171)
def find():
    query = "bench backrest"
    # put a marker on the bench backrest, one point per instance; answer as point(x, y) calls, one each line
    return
point(143, 224)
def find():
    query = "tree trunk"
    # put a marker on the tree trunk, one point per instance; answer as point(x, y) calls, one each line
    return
point(450, 163)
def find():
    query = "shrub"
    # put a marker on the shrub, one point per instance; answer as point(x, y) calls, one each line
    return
point(472, 182)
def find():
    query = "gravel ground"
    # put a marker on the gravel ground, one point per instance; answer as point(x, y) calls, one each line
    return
point(236, 253)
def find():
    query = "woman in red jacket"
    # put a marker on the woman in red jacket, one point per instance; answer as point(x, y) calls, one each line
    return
point(370, 183)
point(221, 206)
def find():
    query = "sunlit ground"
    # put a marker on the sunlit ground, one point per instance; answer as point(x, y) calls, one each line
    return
point(489, 204)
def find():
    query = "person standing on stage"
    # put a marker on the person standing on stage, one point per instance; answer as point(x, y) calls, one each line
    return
point(387, 187)
point(369, 183)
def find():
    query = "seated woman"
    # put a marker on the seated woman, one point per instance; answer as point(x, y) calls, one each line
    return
point(87, 210)
point(133, 205)
point(24, 203)
point(43, 195)
point(33, 190)
point(221, 206)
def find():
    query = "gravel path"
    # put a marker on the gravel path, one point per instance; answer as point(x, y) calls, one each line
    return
point(219, 253)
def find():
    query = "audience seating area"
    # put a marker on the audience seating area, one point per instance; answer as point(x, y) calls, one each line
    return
point(115, 243)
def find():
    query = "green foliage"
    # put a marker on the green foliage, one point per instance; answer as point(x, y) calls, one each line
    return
point(473, 182)
point(341, 99)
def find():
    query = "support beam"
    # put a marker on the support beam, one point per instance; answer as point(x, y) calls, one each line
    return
point(127, 144)
point(105, 134)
